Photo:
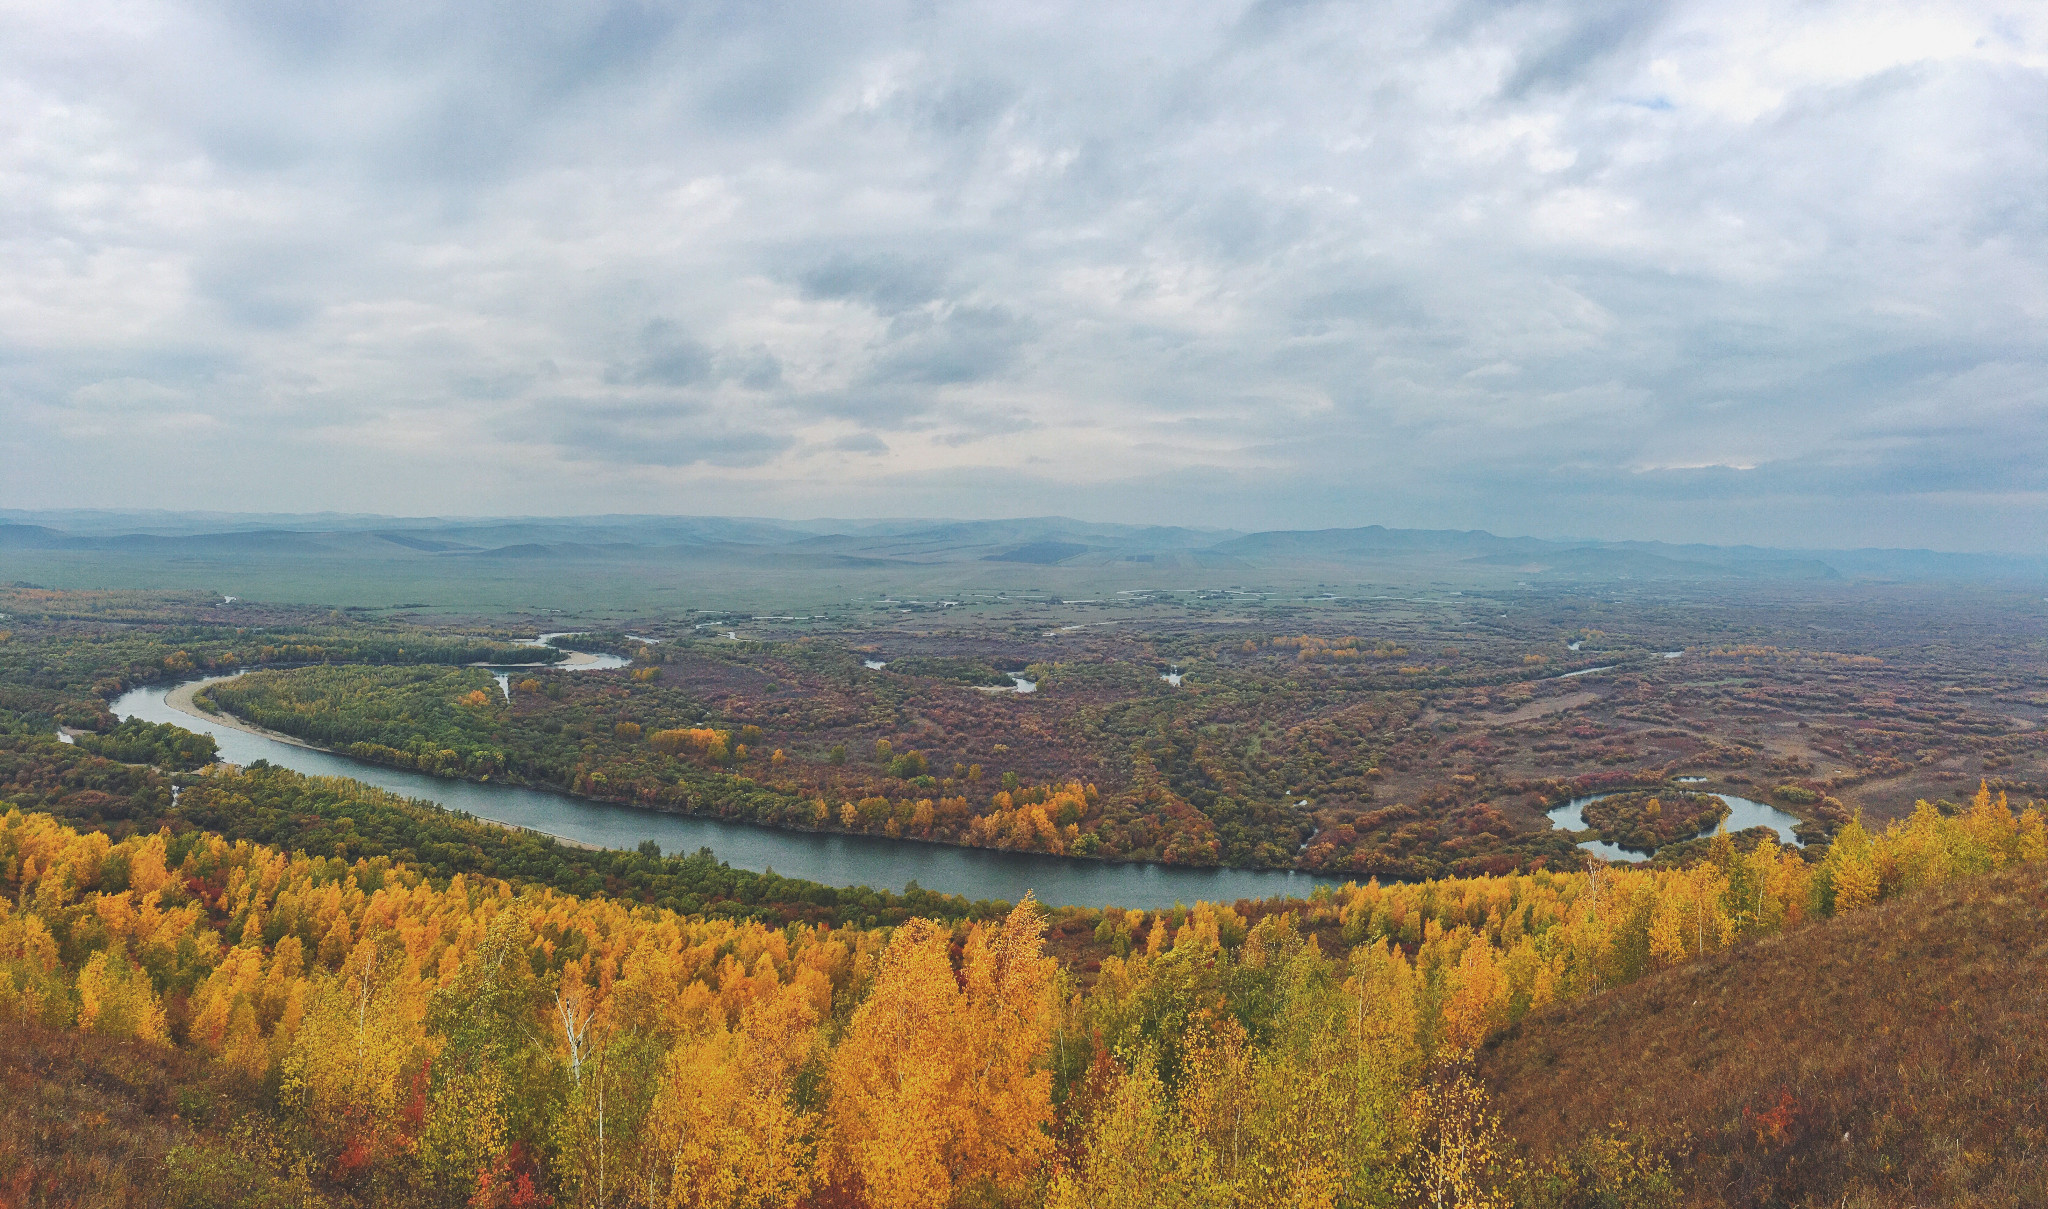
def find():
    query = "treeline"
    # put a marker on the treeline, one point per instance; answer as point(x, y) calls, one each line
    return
point(609, 642)
point(456, 723)
point(64, 656)
point(383, 1040)
point(106, 663)
point(1645, 820)
point(568, 736)
point(134, 741)
point(40, 773)
point(951, 669)
point(389, 1037)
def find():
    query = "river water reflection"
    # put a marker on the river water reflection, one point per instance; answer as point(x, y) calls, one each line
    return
point(836, 860)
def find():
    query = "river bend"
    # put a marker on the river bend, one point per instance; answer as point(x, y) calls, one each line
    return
point(835, 860)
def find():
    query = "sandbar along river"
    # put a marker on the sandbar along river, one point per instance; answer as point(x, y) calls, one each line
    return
point(836, 860)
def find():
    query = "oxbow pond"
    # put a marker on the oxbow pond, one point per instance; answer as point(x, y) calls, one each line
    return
point(1741, 813)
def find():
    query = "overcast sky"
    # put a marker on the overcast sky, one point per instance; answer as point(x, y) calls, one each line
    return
point(1726, 270)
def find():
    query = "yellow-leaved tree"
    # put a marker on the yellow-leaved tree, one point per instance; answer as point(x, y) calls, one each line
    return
point(1462, 1159)
point(723, 1131)
point(1138, 1155)
point(1850, 869)
point(362, 1035)
point(936, 1087)
point(115, 998)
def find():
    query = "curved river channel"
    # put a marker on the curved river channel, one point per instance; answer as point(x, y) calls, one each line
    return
point(836, 860)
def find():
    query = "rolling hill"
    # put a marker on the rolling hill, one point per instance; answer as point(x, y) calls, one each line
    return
point(1897, 1056)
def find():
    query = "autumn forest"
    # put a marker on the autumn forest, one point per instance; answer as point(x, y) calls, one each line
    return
point(243, 985)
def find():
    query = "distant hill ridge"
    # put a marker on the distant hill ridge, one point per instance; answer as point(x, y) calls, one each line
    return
point(1040, 541)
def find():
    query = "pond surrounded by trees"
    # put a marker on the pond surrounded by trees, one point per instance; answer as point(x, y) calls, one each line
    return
point(834, 859)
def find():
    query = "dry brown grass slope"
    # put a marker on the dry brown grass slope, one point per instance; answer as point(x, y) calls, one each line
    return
point(91, 1122)
point(84, 1120)
point(1895, 1056)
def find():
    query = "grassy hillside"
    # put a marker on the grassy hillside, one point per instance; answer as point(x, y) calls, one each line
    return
point(1896, 1056)
point(92, 1120)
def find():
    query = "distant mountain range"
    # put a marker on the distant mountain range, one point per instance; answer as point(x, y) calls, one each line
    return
point(1034, 541)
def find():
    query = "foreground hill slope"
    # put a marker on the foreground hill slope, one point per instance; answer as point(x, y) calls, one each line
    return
point(90, 1120)
point(1895, 1056)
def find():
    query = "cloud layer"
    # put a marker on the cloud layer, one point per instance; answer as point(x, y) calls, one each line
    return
point(1719, 271)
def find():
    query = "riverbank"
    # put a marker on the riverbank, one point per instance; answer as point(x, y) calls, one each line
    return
point(563, 840)
point(180, 699)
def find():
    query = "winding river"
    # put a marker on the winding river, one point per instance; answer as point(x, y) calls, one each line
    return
point(836, 860)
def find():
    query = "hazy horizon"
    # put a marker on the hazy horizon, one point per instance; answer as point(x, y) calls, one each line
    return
point(103, 522)
point(1723, 273)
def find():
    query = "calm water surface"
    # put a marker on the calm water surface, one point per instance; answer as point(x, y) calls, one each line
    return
point(836, 860)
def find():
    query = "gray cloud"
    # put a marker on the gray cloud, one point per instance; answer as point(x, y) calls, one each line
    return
point(967, 343)
point(673, 434)
point(861, 442)
point(1716, 271)
point(667, 358)
point(1595, 33)
point(755, 368)
point(891, 284)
